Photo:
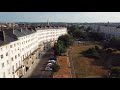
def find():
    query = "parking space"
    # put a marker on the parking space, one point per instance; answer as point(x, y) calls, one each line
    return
point(42, 70)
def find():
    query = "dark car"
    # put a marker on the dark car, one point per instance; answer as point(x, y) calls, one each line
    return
point(52, 58)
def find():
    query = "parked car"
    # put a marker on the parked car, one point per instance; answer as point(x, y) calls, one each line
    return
point(50, 64)
point(52, 61)
point(48, 68)
point(52, 58)
point(79, 42)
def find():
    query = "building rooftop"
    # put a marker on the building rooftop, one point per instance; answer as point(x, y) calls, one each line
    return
point(10, 34)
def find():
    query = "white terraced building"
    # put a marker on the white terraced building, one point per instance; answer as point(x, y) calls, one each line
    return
point(109, 31)
point(20, 47)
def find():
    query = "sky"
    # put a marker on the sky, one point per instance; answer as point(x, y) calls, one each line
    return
point(60, 16)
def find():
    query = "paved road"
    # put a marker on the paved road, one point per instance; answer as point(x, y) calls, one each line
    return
point(39, 71)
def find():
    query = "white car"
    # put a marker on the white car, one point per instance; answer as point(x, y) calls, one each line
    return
point(52, 61)
point(50, 64)
point(79, 42)
point(48, 68)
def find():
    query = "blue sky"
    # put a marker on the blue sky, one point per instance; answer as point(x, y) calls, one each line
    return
point(60, 16)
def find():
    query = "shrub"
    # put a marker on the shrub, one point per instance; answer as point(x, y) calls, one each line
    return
point(97, 48)
point(55, 67)
point(115, 71)
point(91, 52)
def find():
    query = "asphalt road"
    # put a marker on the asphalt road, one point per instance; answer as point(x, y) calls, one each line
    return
point(39, 71)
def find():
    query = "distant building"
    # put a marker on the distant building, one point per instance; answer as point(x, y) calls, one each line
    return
point(110, 30)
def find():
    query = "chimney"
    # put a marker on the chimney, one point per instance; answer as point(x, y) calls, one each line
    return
point(2, 35)
point(21, 30)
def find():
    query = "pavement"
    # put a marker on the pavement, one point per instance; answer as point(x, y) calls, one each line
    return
point(38, 68)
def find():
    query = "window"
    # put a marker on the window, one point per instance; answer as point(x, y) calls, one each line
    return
point(6, 47)
point(15, 56)
point(12, 59)
point(7, 61)
point(19, 63)
point(10, 46)
point(2, 65)
point(16, 66)
point(6, 53)
point(18, 55)
point(13, 68)
point(23, 56)
point(14, 45)
point(1, 49)
point(1, 56)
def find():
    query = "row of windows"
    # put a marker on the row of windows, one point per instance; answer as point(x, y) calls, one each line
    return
point(3, 63)
point(29, 46)
point(15, 57)
point(1, 56)
point(7, 55)
point(13, 68)
point(25, 41)
point(26, 55)
point(25, 37)
point(4, 73)
point(11, 46)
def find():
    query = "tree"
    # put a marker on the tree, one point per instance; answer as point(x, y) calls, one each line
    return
point(67, 40)
point(113, 43)
point(97, 36)
point(59, 47)
point(63, 43)
point(88, 29)
point(76, 31)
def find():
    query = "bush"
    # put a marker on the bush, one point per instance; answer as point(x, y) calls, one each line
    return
point(55, 67)
point(91, 52)
point(97, 48)
point(109, 50)
point(115, 71)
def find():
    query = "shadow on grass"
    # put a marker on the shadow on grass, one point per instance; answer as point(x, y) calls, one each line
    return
point(97, 59)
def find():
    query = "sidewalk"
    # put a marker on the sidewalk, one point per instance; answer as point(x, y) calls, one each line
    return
point(37, 69)
point(29, 72)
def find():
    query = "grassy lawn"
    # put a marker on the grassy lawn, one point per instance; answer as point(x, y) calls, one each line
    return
point(83, 66)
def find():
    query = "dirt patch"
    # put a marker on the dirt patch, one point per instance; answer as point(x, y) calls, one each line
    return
point(64, 71)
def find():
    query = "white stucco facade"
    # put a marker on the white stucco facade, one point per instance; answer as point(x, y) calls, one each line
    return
point(13, 54)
